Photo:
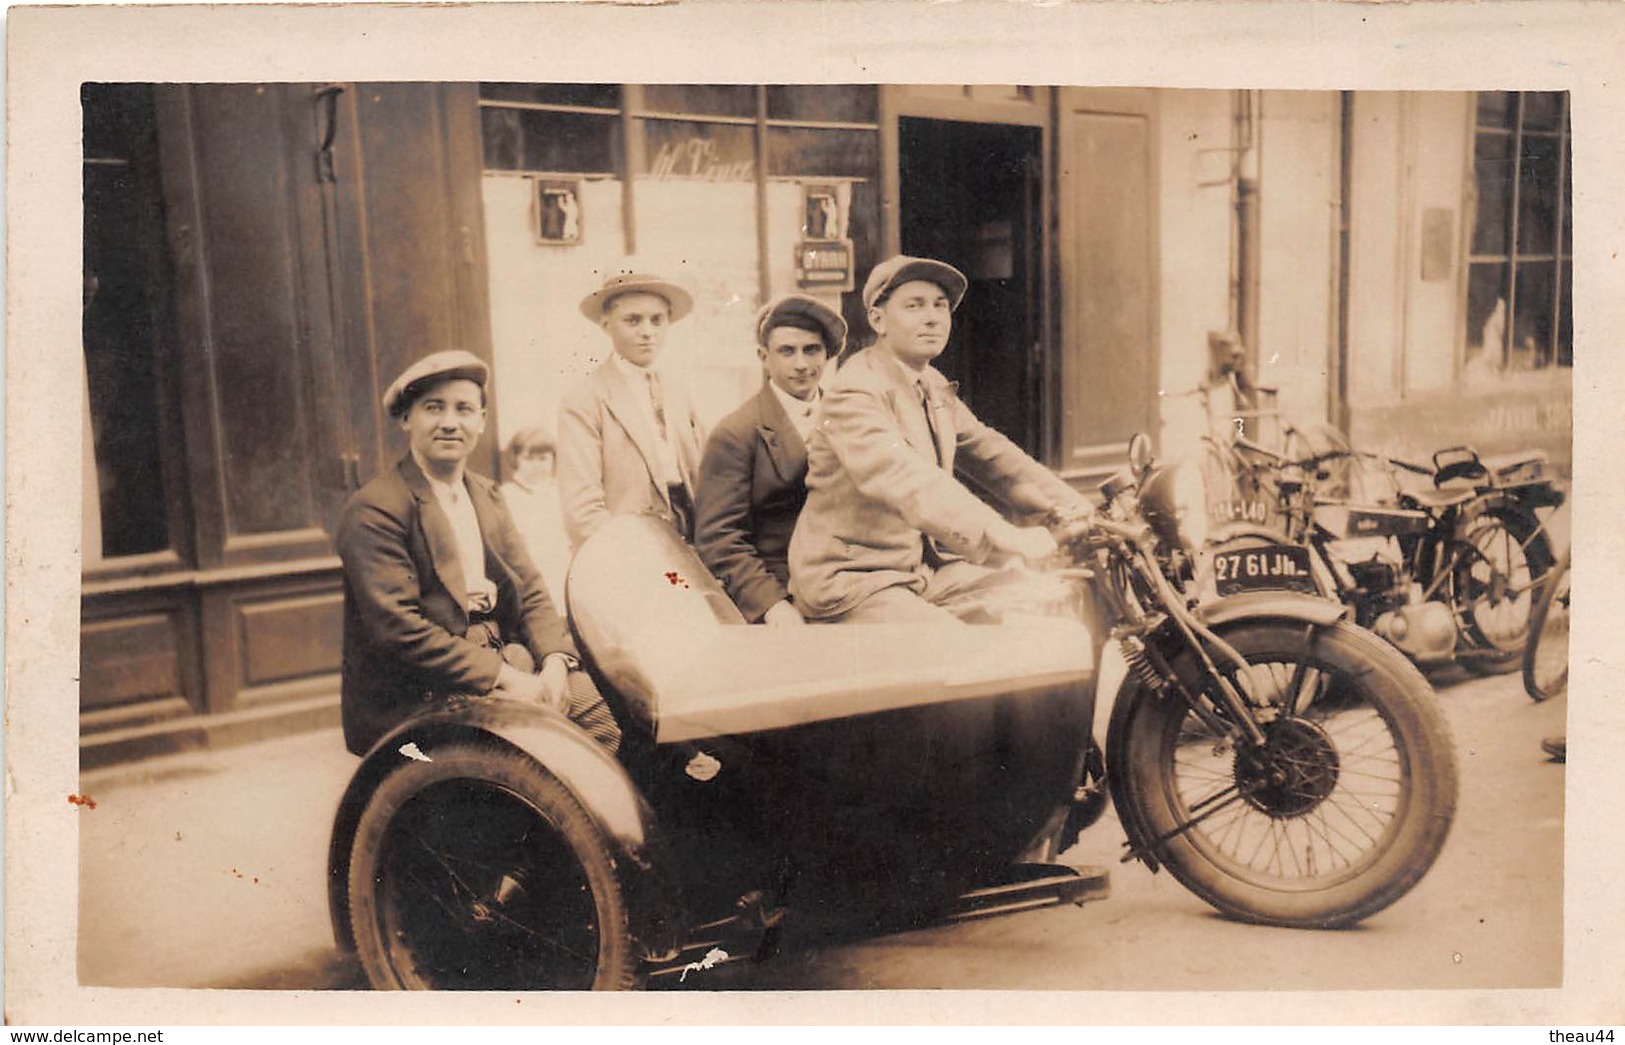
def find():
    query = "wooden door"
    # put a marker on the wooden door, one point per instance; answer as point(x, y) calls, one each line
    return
point(1107, 193)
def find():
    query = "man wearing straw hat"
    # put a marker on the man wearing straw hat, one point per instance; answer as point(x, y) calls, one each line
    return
point(629, 440)
point(753, 480)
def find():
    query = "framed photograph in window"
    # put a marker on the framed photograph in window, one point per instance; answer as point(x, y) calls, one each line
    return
point(558, 212)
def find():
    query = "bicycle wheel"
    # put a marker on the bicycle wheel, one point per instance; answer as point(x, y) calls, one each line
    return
point(1546, 660)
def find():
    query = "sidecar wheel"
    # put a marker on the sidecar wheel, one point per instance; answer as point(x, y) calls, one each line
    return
point(479, 871)
point(1340, 813)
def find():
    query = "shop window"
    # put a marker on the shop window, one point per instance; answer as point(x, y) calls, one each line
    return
point(125, 313)
point(706, 151)
point(568, 128)
point(824, 103)
point(1520, 271)
point(688, 99)
point(605, 96)
point(550, 142)
point(822, 153)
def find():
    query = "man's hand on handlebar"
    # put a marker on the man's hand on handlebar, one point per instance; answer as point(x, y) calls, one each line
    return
point(1031, 544)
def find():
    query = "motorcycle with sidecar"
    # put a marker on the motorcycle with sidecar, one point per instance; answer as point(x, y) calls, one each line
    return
point(1289, 768)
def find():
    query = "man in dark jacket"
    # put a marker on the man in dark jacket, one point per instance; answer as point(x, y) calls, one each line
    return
point(440, 596)
point(753, 476)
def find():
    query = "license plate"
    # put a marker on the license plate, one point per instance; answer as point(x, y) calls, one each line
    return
point(1279, 566)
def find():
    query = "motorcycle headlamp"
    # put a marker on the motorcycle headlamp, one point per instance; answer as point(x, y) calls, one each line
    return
point(1175, 505)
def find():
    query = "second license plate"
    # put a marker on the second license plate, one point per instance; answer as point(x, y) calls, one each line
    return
point(1273, 568)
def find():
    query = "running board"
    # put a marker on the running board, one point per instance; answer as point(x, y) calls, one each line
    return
point(1033, 886)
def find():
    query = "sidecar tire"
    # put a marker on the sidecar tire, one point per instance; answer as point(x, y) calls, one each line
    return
point(440, 923)
point(1324, 898)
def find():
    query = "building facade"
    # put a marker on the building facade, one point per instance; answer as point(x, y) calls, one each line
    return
point(260, 260)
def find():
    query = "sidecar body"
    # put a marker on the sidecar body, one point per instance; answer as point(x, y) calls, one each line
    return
point(867, 771)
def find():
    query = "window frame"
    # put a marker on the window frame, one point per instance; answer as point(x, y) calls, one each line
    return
point(1512, 257)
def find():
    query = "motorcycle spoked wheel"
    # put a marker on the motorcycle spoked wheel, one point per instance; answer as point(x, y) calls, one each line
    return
point(1501, 560)
point(1339, 815)
point(1546, 661)
point(479, 871)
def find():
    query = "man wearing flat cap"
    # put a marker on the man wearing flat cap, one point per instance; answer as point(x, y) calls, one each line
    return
point(753, 479)
point(440, 596)
point(888, 533)
point(629, 440)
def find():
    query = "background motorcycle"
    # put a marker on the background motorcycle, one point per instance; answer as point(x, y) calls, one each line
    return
point(1445, 570)
point(1281, 763)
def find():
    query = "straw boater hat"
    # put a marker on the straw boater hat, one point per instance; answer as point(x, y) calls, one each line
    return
point(593, 305)
point(438, 366)
point(775, 312)
point(900, 269)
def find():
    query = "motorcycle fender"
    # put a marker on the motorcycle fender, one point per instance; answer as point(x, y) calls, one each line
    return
point(1290, 605)
point(596, 781)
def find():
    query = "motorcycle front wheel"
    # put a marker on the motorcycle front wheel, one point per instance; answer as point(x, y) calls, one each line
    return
point(478, 870)
point(1336, 816)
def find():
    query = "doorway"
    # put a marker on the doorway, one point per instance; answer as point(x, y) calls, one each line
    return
point(971, 195)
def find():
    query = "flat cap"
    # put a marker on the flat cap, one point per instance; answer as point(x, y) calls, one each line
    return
point(776, 311)
point(437, 366)
point(902, 269)
point(593, 305)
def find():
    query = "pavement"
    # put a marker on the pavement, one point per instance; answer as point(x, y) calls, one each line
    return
point(208, 869)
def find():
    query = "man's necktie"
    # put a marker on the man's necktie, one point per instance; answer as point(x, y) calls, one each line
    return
point(928, 405)
point(656, 401)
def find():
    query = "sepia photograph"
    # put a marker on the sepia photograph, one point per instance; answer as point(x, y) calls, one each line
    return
point(734, 536)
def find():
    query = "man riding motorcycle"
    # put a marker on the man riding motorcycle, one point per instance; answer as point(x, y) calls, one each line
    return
point(888, 534)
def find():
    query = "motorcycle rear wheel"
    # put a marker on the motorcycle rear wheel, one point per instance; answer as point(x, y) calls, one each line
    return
point(1341, 812)
point(1503, 557)
point(479, 871)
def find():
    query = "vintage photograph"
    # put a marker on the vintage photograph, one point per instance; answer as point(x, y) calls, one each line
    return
point(640, 611)
point(749, 536)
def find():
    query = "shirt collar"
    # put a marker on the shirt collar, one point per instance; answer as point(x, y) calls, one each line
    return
point(794, 407)
point(441, 489)
point(630, 370)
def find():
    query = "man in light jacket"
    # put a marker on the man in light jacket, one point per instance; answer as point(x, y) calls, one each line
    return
point(629, 439)
point(888, 533)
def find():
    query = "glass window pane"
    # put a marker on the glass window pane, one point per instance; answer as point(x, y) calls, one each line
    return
point(596, 95)
point(1542, 110)
point(1537, 196)
point(528, 140)
point(1486, 310)
point(1492, 167)
point(700, 99)
point(806, 152)
point(1495, 109)
point(1565, 317)
point(710, 151)
point(837, 103)
point(1534, 317)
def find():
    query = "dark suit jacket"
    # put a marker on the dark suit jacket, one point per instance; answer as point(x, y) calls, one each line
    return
point(878, 489)
point(608, 451)
point(753, 482)
point(405, 600)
